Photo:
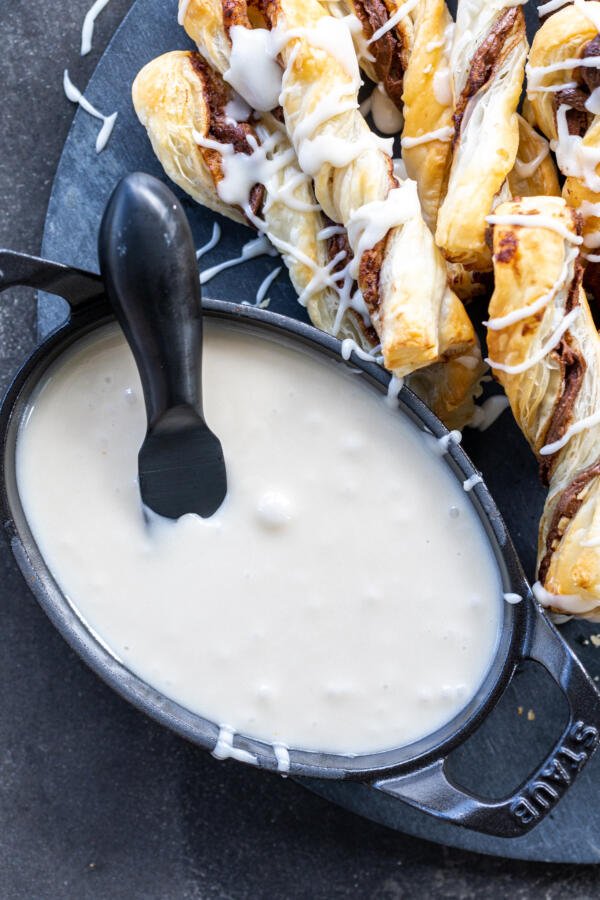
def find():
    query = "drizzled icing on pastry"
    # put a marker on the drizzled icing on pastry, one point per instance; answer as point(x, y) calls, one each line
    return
point(573, 156)
point(524, 312)
point(108, 122)
point(536, 221)
point(403, 11)
point(444, 134)
point(552, 342)
point(371, 222)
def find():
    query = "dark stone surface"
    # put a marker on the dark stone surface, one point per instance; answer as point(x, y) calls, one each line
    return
point(95, 800)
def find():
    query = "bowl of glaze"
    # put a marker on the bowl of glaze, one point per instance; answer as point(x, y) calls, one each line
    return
point(414, 773)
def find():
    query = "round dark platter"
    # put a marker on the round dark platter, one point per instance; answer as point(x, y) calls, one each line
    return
point(521, 730)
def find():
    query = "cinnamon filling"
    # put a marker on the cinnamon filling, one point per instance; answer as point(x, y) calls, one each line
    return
point(389, 51)
point(335, 245)
point(488, 58)
point(566, 509)
point(223, 129)
point(588, 79)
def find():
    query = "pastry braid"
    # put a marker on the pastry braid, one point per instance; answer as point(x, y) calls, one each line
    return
point(545, 351)
point(429, 106)
point(534, 173)
point(487, 60)
point(563, 77)
point(182, 103)
point(418, 319)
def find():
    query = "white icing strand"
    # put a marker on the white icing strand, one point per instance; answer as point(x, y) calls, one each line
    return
point(528, 169)
point(183, 8)
point(108, 122)
point(253, 68)
point(262, 301)
point(395, 385)
point(572, 430)
point(513, 599)
point(573, 156)
point(535, 74)
point(442, 444)
point(442, 86)
point(349, 346)
point(552, 88)
point(444, 134)
point(551, 343)
point(551, 6)
point(216, 237)
point(491, 409)
point(330, 231)
point(87, 32)
point(588, 209)
point(236, 109)
point(371, 222)
point(224, 748)
point(571, 604)
point(517, 315)
point(394, 20)
point(282, 755)
point(388, 119)
point(470, 483)
point(537, 221)
point(591, 257)
point(260, 246)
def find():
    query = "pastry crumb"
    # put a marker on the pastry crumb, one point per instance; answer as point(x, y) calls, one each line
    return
point(519, 710)
point(530, 715)
point(595, 639)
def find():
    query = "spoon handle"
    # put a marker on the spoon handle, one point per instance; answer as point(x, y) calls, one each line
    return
point(154, 290)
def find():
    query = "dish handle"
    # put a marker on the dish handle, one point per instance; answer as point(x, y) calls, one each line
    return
point(76, 286)
point(430, 790)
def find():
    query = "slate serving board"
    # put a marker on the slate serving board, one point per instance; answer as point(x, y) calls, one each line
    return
point(518, 733)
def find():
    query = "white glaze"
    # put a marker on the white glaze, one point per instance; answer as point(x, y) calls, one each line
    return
point(253, 68)
point(491, 409)
point(528, 169)
point(572, 430)
point(108, 122)
point(261, 299)
point(259, 246)
point(573, 156)
point(537, 221)
point(214, 240)
point(87, 31)
point(280, 617)
point(388, 119)
point(401, 13)
point(551, 343)
point(444, 134)
point(470, 483)
point(512, 598)
point(370, 223)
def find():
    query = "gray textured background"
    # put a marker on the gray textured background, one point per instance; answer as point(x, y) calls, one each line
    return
point(95, 800)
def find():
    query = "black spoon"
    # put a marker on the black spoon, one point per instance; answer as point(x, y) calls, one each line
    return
point(148, 264)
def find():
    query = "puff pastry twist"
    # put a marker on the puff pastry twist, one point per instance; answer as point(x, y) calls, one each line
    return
point(488, 55)
point(418, 321)
point(563, 89)
point(545, 350)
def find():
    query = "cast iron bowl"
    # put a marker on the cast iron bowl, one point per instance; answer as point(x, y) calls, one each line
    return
point(414, 774)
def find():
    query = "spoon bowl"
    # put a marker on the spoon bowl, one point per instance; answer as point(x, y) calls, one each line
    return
point(148, 264)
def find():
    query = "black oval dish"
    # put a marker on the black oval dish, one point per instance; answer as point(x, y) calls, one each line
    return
point(415, 773)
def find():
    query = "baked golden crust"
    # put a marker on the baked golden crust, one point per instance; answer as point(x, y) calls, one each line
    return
point(488, 59)
point(534, 173)
point(562, 114)
point(173, 101)
point(429, 106)
point(547, 357)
